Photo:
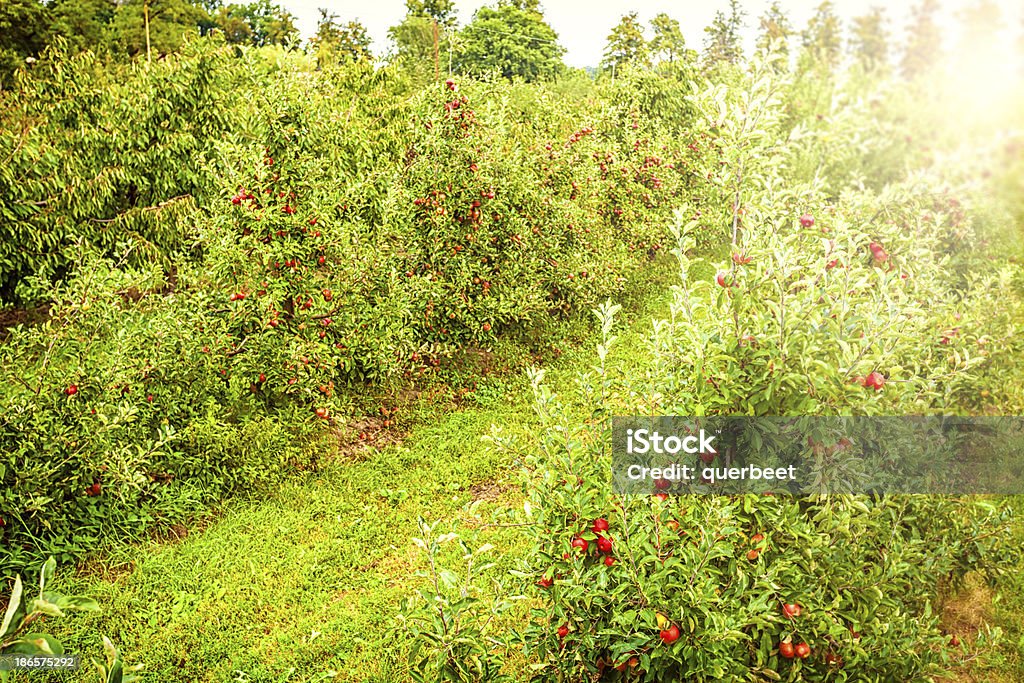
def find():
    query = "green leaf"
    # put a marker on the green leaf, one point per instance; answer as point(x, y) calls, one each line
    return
point(43, 606)
point(36, 644)
point(12, 607)
point(46, 573)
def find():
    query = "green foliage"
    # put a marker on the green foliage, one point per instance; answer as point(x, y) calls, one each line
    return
point(157, 27)
point(822, 39)
point(347, 41)
point(21, 613)
point(71, 177)
point(626, 44)
point(441, 11)
point(924, 45)
point(871, 39)
point(515, 43)
point(24, 31)
point(448, 629)
point(775, 31)
point(722, 37)
point(84, 24)
point(257, 23)
point(668, 42)
point(113, 670)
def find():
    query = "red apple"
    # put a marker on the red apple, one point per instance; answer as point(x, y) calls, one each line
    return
point(600, 524)
point(875, 380)
point(604, 545)
point(670, 634)
point(71, 390)
point(786, 649)
point(803, 650)
point(878, 252)
point(580, 543)
point(563, 631)
point(609, 561)
point(806, 220)
point(791, 611)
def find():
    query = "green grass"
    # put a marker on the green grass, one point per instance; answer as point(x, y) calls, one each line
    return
point(1004, 609)
point(303, 582)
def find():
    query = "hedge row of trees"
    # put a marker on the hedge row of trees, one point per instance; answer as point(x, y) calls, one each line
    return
point(511, 38)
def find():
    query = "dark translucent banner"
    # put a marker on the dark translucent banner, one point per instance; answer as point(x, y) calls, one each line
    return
point(818, 455)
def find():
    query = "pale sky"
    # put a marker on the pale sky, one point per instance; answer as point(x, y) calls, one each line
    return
point(583, 25)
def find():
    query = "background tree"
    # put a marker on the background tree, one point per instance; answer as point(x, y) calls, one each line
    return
point(722, 42)
point(336, 40)
point(85, 24)
point(427, 23)
point(441, 11)
point(668, 42)
point(513, 41)
point(234, 25)
point(776, 30)
point(171, 22)
point(24, 32)
point(870, 40)
point(626, 44)
point(822, 40)
point(528, 5)
point(924, 41)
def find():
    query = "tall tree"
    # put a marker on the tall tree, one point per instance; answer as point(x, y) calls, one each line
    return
point(668, 42)
point(527, 5)
point(513, 41)
point(626, 44)
point(822, 39)
point(441, 11)
point(776, 30)
point(85, 24)
point(427, 24)
point(722, 42)
point(870, 41)
point(156, 26)
point(924, 40)
point(334, 39)
point(24, 32)
point(258, 23)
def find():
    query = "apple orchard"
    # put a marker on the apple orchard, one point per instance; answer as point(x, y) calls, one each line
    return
point(350, 245)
